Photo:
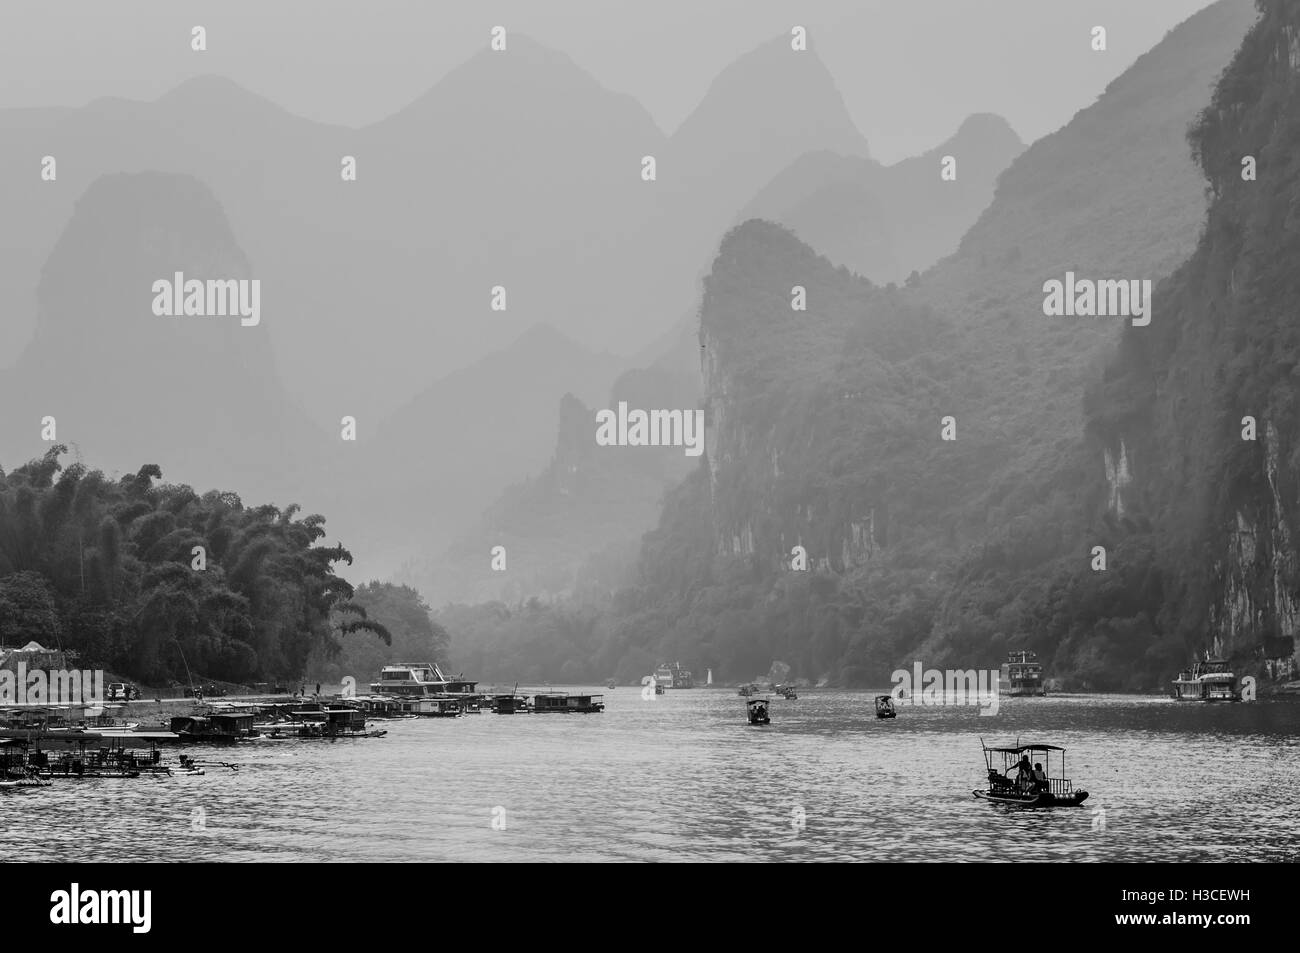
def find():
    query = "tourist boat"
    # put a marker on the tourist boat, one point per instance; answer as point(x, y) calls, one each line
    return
point(673, 676)
point(611, 684)
point(756, 709)
point(421, 680)
point(1209, 680)
point(555, 702)
point(1022, 676)
point(1049, 792)
point(787, 692)
point(747, 690)
point(885, 707)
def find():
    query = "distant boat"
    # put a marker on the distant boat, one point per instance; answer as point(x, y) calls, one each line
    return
point(1022, 675)
point(756, 709)
point(673, 676)
point(611, 684)
point(885, 707)
point(1209, 680)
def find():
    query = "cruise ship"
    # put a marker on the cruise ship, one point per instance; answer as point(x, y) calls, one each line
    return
point(1022, 675)
point(1209, 680)
point(673, 676)
point(424, 690)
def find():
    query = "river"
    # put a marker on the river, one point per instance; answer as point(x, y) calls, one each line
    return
point(684, 778)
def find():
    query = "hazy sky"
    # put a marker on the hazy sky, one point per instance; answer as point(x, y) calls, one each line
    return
point(909, 70)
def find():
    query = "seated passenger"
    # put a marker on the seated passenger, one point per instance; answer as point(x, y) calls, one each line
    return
point(1040, 778)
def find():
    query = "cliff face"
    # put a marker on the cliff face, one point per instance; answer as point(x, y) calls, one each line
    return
point(808, 426)
point(1209, 389)
point(825, 424)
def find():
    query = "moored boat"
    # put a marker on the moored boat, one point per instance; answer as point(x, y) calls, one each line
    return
point(410, 681)
point(554, 702)
point(510, 704)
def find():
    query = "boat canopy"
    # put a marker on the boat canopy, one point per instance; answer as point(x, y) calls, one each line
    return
point(1022, 748)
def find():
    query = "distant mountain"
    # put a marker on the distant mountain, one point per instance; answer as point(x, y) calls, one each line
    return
point(127, 387)
point(517, 170)
point(826, 432)
point(450, 451)
point(211, 129)
point(884, 222)
point(761, 113)
point(577, 523)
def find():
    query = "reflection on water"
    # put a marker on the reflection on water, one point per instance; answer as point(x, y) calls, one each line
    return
point(685, 778)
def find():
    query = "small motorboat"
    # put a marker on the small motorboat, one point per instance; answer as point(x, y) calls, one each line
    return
point(787, 692)
point(885, 707)
point(756, 709)
point(1033, 785)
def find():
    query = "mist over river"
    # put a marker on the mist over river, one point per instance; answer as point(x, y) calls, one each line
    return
point(684, 778)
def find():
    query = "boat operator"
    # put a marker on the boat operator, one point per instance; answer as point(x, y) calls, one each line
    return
point(1025, 777)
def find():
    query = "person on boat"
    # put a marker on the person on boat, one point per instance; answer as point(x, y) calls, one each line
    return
point(1025, 776)
point(1040, 778)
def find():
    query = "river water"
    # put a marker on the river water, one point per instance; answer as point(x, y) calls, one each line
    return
point(684, 778)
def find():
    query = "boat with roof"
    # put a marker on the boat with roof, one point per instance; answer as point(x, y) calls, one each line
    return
point(424, 689)
point(1208, 680)
point(1033, 784)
